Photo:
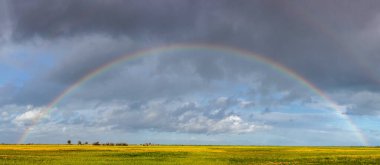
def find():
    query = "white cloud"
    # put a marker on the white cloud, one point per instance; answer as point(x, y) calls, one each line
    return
point(28, 117)
point(245, 103)
point(229, 124)
point(234, 124)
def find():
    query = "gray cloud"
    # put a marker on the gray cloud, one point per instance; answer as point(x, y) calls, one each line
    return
point(362, 103)
point(4, 18)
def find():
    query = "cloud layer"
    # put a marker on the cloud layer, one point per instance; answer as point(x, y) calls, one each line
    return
point(46, 46)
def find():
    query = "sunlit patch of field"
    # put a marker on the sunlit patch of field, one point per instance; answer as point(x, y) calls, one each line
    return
point(136, 154)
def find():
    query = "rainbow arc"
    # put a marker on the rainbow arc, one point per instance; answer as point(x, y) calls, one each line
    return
point(191, 47)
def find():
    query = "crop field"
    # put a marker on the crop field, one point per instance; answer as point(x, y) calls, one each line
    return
point(136, 154)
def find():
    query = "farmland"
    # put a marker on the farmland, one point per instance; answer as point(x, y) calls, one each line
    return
point(137, 154)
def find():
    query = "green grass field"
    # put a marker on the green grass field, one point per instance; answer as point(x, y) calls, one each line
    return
point(88, 154)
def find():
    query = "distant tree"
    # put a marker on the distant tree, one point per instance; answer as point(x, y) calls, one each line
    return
point(96, 143)
point(69, 142)
point(86, 142)
point(79, 142)
point(121, 144)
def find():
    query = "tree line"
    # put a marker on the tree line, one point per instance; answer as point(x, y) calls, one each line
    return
point(97, 143)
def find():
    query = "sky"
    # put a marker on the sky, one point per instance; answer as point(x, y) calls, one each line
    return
point(242, 72)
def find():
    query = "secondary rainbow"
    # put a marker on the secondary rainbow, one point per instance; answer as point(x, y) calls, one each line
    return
point(187, 47)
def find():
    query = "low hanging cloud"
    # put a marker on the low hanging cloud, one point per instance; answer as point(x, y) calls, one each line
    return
point(363, 103)
point(177, 116)
point(157, 115)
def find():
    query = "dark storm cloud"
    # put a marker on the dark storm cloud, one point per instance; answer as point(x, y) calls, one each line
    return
point(297, 34)
point(52, 19)
point(310, 37)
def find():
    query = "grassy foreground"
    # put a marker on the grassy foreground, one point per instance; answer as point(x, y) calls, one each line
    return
point(88, 154)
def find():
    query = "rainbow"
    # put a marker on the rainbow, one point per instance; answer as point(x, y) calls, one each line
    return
point(187, 47)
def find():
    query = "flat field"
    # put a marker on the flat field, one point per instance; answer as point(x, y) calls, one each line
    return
point(135, 154)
